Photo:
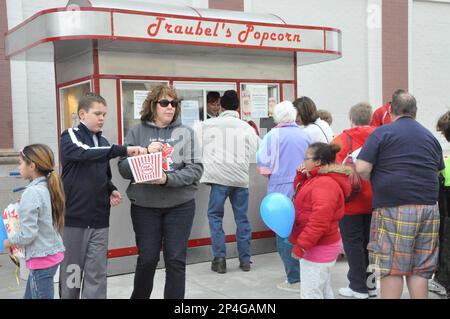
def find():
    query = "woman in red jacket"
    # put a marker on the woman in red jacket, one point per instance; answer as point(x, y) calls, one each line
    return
point(321, 189)
point(355, 226)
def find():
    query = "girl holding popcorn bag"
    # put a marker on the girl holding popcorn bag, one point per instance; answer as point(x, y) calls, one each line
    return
point(41, 215)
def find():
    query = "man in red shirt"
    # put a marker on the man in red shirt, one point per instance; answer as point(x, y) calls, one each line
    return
point(382, 115)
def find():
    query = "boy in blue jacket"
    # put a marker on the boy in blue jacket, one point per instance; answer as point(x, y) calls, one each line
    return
point(86, 175)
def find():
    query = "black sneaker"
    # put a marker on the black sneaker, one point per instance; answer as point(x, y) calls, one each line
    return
point(245, 266)
point(219, 265)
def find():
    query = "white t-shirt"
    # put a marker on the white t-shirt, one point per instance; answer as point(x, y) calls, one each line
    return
point(319, 131)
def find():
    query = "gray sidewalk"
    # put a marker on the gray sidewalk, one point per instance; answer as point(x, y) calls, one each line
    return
point(201, 283)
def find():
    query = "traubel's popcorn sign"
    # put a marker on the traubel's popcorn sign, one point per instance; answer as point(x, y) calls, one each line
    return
point(219, 32)
point(147, 167)
point(12, 225)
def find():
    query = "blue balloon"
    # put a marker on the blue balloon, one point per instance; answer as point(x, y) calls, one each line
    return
point(3, 234)
point(278, 213)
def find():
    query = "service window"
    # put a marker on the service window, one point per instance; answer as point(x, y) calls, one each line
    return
point(193, 97)
point(133, 95)
point(69, 97)
point(257, 103)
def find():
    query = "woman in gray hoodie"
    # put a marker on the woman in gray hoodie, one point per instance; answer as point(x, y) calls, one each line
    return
point(162, 211)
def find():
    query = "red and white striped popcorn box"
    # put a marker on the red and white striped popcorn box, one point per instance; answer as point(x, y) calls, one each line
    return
point(147, 167)
point(12, 226)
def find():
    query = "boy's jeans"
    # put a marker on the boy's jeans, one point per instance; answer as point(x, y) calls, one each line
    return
point(40, 283)
point(239, 202)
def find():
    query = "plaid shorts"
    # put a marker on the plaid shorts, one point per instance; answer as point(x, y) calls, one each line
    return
point(404, 240)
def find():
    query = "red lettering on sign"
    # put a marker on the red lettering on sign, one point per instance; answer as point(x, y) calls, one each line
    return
point(190, 30)
point(251, 34)
point(179, 29)
point(243, 35)
point(153, 29)
point(216, 29)
point(199, 30)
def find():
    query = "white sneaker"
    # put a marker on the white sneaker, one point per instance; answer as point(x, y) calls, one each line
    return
point(347, 292)
point(295, 287)
point(436, 287)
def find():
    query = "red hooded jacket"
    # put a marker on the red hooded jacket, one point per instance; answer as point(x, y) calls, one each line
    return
point(361, 203)
point(382, 115)
point(319, 205)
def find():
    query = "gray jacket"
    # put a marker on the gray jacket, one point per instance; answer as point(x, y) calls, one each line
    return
point(37, 235)
point(184, 165)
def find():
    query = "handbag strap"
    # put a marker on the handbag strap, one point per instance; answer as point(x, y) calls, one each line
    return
point(322, 132)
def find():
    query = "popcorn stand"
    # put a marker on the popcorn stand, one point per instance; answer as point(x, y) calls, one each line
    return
point(119, 49)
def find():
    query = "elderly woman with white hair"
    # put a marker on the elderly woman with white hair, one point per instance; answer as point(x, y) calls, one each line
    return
point(281, 152)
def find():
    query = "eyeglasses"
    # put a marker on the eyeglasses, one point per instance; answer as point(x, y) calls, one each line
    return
point(310, 158)
point(165, 103)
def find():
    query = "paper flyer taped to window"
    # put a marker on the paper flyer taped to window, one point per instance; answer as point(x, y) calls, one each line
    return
point(12, 226)
point(147, 167)
point(139, 97)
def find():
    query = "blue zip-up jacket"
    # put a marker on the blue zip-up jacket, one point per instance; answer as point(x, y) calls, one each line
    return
point(86, 175)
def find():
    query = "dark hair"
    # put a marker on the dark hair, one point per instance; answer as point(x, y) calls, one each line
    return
point(230, 100)
point(325, 153)
point(443, 125)
point(306, 109)
point(404, 104)
point(212, 97)
point(42, 156)
point(149, 106)
point(86, 101)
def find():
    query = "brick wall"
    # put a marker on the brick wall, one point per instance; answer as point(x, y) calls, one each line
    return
point(6, 131)
point(395, 46)
point(236, 5)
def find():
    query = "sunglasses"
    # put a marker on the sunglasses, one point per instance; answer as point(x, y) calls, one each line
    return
point(165, 103)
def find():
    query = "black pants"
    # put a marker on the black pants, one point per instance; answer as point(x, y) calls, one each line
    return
point(355, 231)
point(168, 228)
point(442, 275)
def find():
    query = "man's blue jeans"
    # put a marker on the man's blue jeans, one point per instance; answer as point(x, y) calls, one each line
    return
point(40, 283)
point(291, 265)
point(239, 202)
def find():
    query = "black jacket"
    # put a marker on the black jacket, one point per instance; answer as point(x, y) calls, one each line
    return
point(86, 175)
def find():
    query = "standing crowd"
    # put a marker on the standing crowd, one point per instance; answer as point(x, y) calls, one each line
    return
point(379, 191)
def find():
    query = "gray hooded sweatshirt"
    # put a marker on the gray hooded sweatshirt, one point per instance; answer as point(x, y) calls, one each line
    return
point(183, 166)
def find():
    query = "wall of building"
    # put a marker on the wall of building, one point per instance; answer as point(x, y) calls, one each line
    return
point(32, 79)
point(338, 85)
point(430, 63)
point(6, 136)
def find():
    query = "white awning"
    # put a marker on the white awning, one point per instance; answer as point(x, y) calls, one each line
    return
point(143, 22)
